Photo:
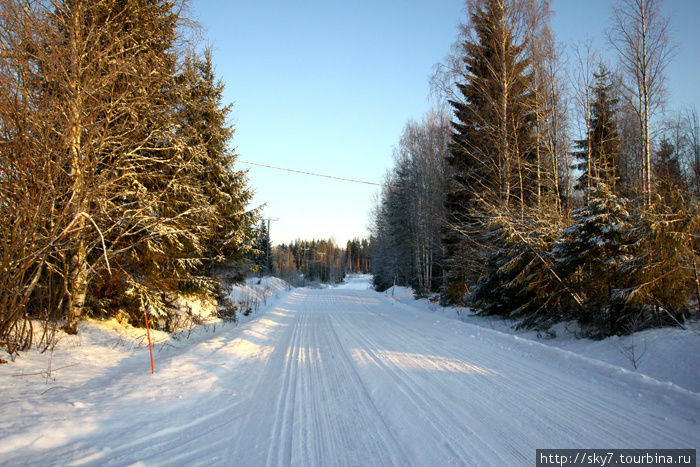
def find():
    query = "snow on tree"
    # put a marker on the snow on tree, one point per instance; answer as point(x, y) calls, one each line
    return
point(520, 282)
point(661, 274)
point(589, 256)
point(136, 196)
point(406, 236)
point(493, 146)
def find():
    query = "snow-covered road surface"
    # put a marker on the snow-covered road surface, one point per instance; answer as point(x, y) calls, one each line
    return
point(348, 377)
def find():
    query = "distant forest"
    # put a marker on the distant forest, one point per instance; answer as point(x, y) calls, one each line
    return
point(305, 262)
point(550, 185)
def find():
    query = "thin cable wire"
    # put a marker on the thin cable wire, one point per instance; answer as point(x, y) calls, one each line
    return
point(314, 174)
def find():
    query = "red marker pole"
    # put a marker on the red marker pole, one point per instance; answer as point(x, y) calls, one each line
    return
point(148, 332)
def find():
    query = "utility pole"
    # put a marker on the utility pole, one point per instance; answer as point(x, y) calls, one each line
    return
point(269, 246)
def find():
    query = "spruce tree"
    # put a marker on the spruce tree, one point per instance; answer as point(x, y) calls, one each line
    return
point(262, 257)
point(589, 256)
point(186, 207)
point(110, 65)
point(660, 274)
point(492, 149)
point(520, 282)
point(203, 120)
point(603, 142)
point(670, 184)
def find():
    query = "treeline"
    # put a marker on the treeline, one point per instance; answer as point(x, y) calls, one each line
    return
point(117, 187)
point(502, 209)
point(406, 237)
point(313, 261)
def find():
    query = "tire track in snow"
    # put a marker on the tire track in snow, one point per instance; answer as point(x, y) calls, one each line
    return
point(546, 391)
point(525, 412)
point(322, 414)
point(343, 418)
point(331, 377)
point(281, 454)
point(430, 410)
point(350, 364)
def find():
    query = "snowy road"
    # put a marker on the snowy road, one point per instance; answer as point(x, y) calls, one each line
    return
point(348, 377)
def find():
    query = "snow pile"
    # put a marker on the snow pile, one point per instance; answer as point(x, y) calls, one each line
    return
point(254, 294)
point(199, 309)
point(668, 354)
point(101, 344)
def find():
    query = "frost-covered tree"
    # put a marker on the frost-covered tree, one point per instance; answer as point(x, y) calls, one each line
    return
point(588, 258)
point(105, 68)
point(133, 185)
point(203, 229)
point(520, 281)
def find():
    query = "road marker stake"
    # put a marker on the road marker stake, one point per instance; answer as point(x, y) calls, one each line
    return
point(148, 332)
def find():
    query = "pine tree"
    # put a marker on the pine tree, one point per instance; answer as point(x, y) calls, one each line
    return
point(602, 143)
point(492, 150)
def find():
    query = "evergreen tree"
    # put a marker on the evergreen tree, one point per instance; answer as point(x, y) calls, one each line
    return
point(589, 256)
point(520, 281)
point(111, 65)
point(186, 206)
point(492, 150)
point(357, 256)
point(204, 122)
point(263, 257)
point(143, 201)
point(661, 274)
point(599, 153)
point(668, 175)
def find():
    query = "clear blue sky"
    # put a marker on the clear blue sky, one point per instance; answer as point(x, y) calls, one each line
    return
point(327, 86)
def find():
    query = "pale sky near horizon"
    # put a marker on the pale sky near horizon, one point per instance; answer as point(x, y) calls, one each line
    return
point(327, 86)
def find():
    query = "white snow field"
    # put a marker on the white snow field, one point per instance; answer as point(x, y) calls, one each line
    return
point(338, 376)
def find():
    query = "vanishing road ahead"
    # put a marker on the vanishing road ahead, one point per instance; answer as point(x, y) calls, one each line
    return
point(346, 376)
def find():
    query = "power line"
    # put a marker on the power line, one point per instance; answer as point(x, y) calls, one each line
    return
point(315, 174)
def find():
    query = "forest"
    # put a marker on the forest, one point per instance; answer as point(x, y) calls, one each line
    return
point(549, 184)
point(118, 189)
point(309, 262)
point(546, 185)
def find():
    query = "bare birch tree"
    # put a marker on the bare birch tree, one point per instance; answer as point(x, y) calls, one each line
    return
point(641, 36)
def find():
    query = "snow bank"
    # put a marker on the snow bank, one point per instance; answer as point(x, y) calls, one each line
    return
point(254, 294)
point(102, 344)
point(669, 355)
point(99, 381)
